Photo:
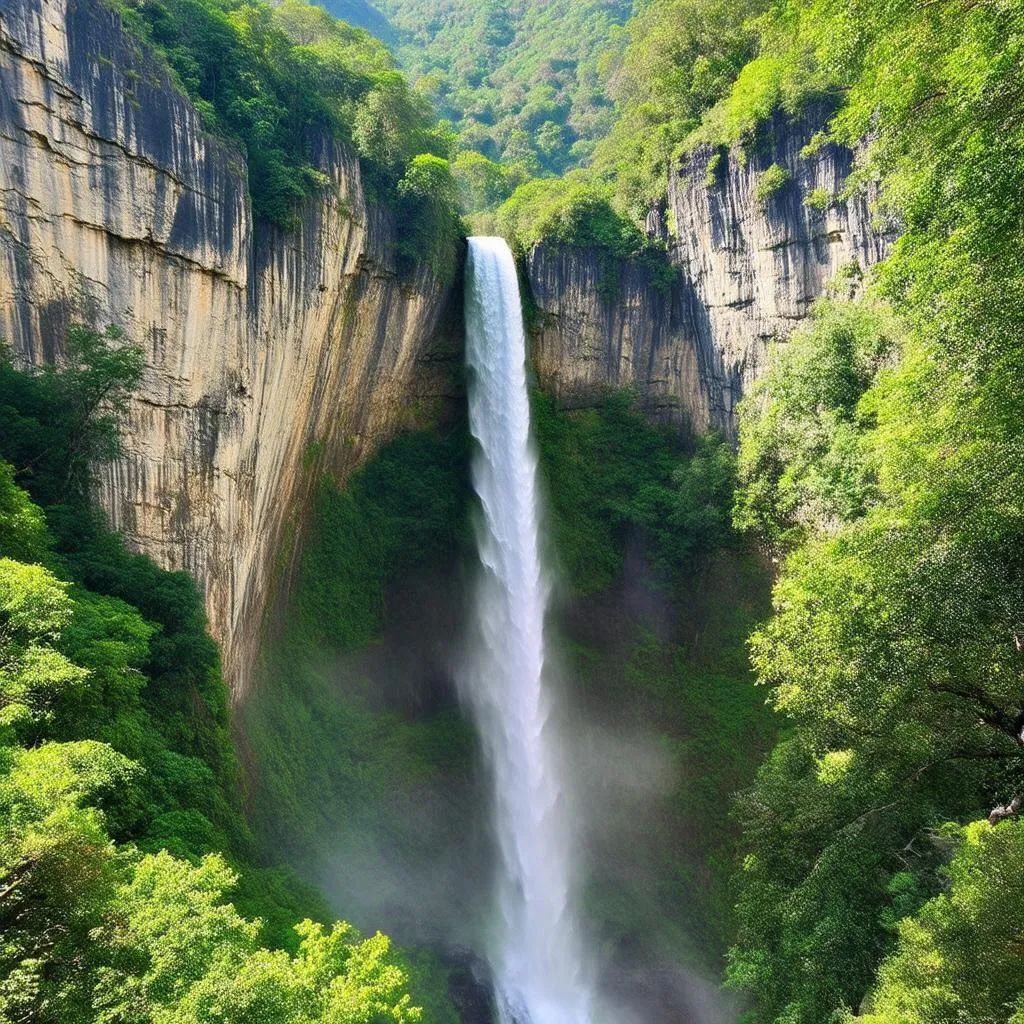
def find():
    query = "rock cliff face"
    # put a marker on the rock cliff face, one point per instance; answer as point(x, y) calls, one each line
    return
point(269, 355)
point(602, 322)
point(749, 267)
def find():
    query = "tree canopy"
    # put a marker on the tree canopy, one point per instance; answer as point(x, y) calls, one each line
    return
point(121, 832)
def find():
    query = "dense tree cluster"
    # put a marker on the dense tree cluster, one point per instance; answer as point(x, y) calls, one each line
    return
point(881, 460)
point(278, 79)
point(522, 82)
point(121, 834)
point(672, 63)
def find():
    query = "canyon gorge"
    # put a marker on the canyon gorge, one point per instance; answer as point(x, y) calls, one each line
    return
point(267, 348)
point(510, 512)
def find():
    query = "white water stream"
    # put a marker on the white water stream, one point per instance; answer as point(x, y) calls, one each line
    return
point(541, 973)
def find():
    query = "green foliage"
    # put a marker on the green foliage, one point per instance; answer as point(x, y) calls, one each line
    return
point(818, 199)
point(599, 466)
point(58, 420)
point(101, 738)
point(390, 126)
point(682, 57)
point(894, 649)
point(772, 181)
point(957, 958)
point(568, 211)
point(674, 61)
point(278, 79)
point(22, 524)
point(610, 475)
point(801, 466)
point(204, 964)
point(405, 504)
point(34, 606)
point(428, 204)
point(404, 509)
point(483, 184)
point(521, 82)
point(633, 511)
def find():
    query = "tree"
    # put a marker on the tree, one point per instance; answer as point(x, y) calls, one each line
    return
point(801, 468)
point(482, 183)
point(958, 957)
point(204, 964)
point(34, 608)
point(430, 199)
point(23, 531)
point(61, 419)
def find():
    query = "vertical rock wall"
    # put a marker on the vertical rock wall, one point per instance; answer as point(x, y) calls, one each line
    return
point(269, 355)
point(602, 322)
point(749, 269)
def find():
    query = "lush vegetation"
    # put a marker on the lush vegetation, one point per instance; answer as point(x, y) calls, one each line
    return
point(405, 509)
point(121, 833)
point(633, 510)
point(670, 65)
point(349, 754)
point(280, 79)
point(681, 59)
point(393, 806)
point(880, 459)
point(569, 211)
point(522, 82)
point(610, 475)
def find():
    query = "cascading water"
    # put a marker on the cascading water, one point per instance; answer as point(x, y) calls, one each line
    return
point(540, 971)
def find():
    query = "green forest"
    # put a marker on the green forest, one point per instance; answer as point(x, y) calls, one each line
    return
point(835, 668)
point(132, 886)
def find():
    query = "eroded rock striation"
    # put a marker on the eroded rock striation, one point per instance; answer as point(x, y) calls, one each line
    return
point(750, 264)
point(270, 355)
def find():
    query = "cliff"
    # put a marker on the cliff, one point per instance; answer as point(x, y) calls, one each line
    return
point(269, 355)
point(602, 322)
point(748, 270)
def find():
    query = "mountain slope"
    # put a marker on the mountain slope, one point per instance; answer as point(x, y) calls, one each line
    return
point(520, 80)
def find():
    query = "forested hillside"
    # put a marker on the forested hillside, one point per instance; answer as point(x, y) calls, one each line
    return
point(122, 838)
point(522, 82)
point(880, 459)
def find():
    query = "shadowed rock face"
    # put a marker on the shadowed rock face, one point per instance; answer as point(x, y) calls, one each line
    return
point(748, 272)
point(269, 355)
point(603, 323)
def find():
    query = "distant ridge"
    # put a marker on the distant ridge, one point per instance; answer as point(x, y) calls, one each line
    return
point(362, 15)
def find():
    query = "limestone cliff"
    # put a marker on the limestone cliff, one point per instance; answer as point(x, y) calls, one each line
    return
point(749, 267)
point(601, 322)
point(268, 354)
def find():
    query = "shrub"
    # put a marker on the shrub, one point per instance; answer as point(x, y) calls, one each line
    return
point(770, 183)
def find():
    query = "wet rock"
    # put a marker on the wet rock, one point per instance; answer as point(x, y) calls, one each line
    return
point(470, 988)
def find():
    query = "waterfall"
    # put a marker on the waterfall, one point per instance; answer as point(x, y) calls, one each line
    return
point(541, 974)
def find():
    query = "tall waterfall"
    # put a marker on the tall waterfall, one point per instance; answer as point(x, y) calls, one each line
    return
point(541, 974)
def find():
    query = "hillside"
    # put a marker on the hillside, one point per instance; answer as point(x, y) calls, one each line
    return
point(522, 82)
